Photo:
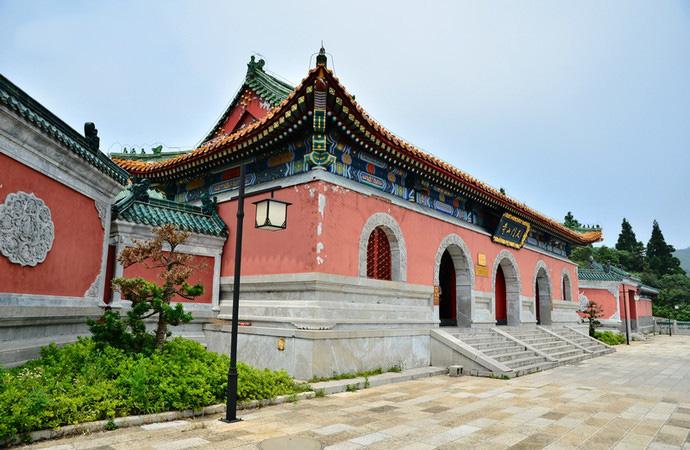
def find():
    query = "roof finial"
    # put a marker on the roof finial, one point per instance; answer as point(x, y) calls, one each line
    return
point(91, 135)
point(321, 57)
point(253, 65)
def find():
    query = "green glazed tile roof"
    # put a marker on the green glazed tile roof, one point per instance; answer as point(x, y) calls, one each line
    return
point(157, 154)
point(600, 272)
point(158, 212)
point(266, 86)
point(25, 106)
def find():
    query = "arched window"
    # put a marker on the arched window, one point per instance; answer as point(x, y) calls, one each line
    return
point(566, 287)
point(379, 255)
point(382, 253)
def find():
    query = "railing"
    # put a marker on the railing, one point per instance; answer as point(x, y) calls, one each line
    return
point(670, 327)
point(683, 327)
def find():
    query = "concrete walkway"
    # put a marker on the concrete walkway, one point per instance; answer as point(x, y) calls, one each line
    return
point(635, 398)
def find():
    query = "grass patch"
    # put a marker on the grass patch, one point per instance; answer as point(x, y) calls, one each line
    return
point(609, 337)
point(350, 375)
point(79, 383)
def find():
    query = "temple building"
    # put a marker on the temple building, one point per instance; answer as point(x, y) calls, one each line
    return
point(621, 296)
point(384, 242)
point(389, 256)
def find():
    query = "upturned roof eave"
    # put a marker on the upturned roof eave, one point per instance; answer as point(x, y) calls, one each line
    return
point(364, 125)
point(254, 77)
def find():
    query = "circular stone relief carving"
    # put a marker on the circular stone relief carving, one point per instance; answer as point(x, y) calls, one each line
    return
point(26, 229)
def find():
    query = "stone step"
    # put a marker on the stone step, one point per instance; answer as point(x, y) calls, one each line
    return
point(524, 362)
point(541, 339)
point(503, 350)
point(497, 346)
point(507, 357)
point(527, 334)
point(564, 354)
point(546, 346)
point(556, 349)
point(536, 367)
point(476, 340)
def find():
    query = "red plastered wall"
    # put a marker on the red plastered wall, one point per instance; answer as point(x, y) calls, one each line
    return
point(74, 261)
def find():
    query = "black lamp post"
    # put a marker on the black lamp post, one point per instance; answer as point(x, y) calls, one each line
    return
point(270, 215)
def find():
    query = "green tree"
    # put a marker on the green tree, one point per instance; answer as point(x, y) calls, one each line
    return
point(660, 254)
point(631, 257)
point(148, 298)
point(571, 222)
point(607, 255)
point(582, 255)
point(674, 290)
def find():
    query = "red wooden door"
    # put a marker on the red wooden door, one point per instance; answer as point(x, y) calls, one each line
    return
point(501, 307)
point(447, 302)
point(536, 304)
point(632, 310)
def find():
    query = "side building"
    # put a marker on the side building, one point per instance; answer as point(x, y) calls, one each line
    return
point(624, 299)
point(384, 242)
point(56, 192)
point(66, 211)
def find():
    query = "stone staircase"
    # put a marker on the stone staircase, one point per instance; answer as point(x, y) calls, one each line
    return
point(550, 344)
point(493, 345)
point(595, 347)
point(511, 351)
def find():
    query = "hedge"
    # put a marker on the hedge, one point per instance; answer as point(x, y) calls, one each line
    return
point(79, 383)
point(609, 337)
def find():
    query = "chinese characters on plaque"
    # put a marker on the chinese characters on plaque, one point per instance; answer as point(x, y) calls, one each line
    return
point(511, 231)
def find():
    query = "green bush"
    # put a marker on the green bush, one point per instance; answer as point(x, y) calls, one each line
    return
point(610, 337)
point(82, 382)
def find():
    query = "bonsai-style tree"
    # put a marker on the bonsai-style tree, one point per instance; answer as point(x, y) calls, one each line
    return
point(148, 298)
point(592, 312)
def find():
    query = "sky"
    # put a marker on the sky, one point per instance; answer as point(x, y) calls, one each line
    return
point(569, 106)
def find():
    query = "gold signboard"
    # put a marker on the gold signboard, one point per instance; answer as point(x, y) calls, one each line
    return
point(511, 231)
point(481, 271)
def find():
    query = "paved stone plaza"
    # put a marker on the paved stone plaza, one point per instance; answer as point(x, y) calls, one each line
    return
point(635, 398)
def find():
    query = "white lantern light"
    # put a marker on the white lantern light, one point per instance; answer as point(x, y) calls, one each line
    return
point(271, 214)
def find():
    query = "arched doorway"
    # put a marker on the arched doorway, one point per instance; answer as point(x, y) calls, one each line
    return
point(501, 298)
point(542, 297)
point(565, 288)
point(506, 286)
point(447, 307)
point(454, 276)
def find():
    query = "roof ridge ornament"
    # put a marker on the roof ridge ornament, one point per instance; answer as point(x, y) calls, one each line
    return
point(320, 157)
point(208, 203)
point(139, 189)
point(91, 135)
point(254, 66)
point(321, 59)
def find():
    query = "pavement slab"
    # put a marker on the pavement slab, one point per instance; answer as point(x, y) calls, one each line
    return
point(635, 398)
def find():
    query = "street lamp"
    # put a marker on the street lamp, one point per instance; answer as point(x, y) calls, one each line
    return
point(270, 215)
